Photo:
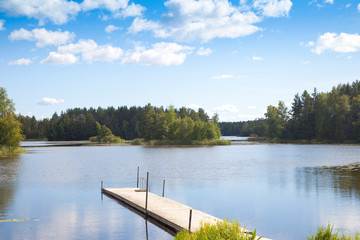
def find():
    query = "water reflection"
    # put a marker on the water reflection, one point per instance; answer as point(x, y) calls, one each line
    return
point(9, 168)
point(343, 180)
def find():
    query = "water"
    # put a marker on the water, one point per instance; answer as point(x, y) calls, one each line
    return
point(284, 191)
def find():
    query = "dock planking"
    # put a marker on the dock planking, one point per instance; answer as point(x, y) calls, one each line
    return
point(170, 213)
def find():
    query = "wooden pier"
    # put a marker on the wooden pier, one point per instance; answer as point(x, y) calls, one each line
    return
point(167, 212)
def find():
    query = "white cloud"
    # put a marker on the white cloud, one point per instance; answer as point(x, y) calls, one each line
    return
point(223, 76)
point(257, 58)
point(21, 61)
point(55, 58)
point(161, 54)
point(132, 10)
point(358, 7)
point(329, 1)
point(111, 28)
point(343, 43)
point(57, 11)
point(89, 50)
point(42, 37)
point(348, 5)
point(189, 20)
point(111, 5)
point(61, 11)
point(306, 62)
point(273, 8)
point(226, 108)
point(50, 101)
point(204, 51)
point(2, 22)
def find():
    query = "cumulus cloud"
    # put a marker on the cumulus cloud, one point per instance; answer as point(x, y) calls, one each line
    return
point(329, 1)
point(358, 7)
point(111, 5)
point(61, 11)
point(2, 22)
point(273, 8)
point(42, 37)
point(257, 58)
point(204, 51)
point(161, 54)
point(226, 108)
point(21, 61)
point(50, 101)
point(189, 20)
point(223, 76)
point(57, 11)
point(132, 10)
point(343, 43)
point(111, 28)
point(90, 52)
point(55, 58)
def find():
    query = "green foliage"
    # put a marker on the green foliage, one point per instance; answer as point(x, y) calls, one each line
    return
point(10, 127)
point(319, 117)
point(217, 231)
point(150, 123)
point(326, 233)
point(105, 135)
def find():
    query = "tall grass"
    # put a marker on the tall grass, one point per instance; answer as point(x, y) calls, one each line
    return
point(220, 230)
point(326, 233)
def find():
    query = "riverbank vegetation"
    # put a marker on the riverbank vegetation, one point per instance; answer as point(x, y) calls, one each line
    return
point(155, 125)
point(105, 136)
point(217, 231)
point(326, 117)
point(10, 127)
point(233, 231)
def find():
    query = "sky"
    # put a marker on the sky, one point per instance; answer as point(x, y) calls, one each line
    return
point(228, 57)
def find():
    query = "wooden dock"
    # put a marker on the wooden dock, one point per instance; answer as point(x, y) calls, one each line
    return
point(167, 212)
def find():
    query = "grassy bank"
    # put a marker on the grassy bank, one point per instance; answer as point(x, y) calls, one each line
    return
point(4, 152)
point(143, 142)
point(233, 231)
point(221, 230)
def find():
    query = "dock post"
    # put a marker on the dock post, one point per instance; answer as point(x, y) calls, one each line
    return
point(147, 191)
point(137, 179)
point(163, 188)
point(190, 220)
point(102, 185)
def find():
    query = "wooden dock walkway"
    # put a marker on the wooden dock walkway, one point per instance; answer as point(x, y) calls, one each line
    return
point(171, 214)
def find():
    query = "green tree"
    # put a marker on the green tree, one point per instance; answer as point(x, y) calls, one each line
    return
point(10, 127)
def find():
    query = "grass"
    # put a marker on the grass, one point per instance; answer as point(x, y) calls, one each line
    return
point(219, 230)
point(4, 152)
point(232, 230)
point(326, 233)
point(107, 139)
point(140, 141)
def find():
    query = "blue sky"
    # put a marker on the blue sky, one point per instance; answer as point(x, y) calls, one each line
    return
point(230, 57)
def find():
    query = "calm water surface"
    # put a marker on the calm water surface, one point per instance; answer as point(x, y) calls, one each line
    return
point(284, 191)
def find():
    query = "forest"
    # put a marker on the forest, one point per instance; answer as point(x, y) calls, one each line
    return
point(331, 117)
point(313, 117)
point(148, 122)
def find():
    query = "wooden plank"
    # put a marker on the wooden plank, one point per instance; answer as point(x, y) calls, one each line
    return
point(172, 214)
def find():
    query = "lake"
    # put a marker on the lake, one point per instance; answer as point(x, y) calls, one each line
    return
point(285, 191)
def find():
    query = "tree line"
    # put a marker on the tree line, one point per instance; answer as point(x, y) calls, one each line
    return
point(326, 117)
point(148, 122)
